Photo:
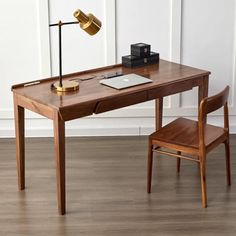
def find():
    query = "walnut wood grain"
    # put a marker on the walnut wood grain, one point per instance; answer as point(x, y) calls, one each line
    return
point(195, 138)
point(92, 98)
point(168, 78)
point(125, 100)
point(59, 146)
point(19, 114)
point(158, 112)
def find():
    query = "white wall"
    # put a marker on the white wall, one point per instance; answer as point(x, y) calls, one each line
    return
point(24, 51)
point(197, 33)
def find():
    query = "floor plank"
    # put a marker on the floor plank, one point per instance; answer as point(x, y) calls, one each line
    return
point(106, 191)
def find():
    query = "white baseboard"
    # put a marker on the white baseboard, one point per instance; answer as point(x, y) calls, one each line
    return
point(115, 123)
point(86, 131)
point(71, 132)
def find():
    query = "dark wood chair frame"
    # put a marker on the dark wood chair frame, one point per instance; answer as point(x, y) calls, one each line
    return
point(207, 105)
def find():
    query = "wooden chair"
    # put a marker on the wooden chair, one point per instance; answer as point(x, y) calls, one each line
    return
point(193, 138)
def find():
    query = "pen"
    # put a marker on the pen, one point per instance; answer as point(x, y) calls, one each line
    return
point(32, 83)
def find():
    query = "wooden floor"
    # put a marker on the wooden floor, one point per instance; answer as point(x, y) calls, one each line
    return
point(106, 191)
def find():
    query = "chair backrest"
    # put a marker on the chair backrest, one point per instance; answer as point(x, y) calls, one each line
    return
point(210, 104)
point(213, 103)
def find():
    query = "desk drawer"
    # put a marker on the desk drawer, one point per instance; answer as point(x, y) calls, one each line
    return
point(77, 111)
point(119, 102)
point(172, 88)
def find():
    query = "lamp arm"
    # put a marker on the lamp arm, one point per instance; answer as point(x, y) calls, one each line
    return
point(65, 23)
point(60, 55)
point(60, 24)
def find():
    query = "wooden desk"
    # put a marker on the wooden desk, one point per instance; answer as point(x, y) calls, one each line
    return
point(93, 98)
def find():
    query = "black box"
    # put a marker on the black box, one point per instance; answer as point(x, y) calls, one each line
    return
point(133, 61)
point(140, 49)
point(153, 58)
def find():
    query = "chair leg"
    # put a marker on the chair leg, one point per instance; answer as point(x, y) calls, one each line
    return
point(227, 158)
point(178, 162)
point(149, 166)
point(203, 181)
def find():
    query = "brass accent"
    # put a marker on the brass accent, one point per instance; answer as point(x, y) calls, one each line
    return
point(66, 86)
point(88, 23)
point(81, 16)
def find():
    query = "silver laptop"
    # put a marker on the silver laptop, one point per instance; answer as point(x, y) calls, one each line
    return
point(125, 81)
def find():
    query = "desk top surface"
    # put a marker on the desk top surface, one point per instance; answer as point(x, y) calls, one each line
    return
point(163, 74)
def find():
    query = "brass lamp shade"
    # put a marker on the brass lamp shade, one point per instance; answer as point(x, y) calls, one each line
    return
point(88, 23)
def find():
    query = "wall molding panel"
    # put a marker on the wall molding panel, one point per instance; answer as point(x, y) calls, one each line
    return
point(233, 88)
point(134, 120)
point(175, 47)
point(110, 29)
point(44, 38)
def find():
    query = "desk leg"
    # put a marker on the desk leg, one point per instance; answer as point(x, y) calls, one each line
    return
point(59, 147)
point(19, 113)
point(159, 112)
point(203, 89)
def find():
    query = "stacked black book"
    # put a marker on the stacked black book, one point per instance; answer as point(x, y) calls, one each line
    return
point(140, 55)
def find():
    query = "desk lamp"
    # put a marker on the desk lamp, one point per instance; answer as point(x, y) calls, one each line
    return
point(90, 24)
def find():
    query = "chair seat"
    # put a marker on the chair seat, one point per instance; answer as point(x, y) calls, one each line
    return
point(183, 132)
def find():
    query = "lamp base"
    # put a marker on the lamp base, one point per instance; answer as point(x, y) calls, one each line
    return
point(66, 86)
